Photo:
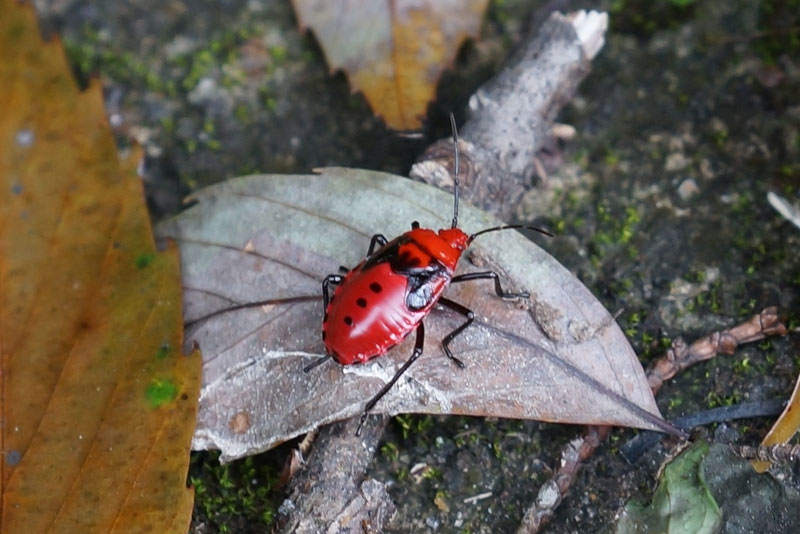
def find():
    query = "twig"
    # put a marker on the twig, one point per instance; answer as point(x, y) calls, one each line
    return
point(676, 359)
point(555, 489)
point(330, 492)
point(680, 356)
point(774, 453)
point(511, 116)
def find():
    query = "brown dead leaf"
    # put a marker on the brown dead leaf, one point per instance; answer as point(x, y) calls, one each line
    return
point(784, 428)
point(97, 399)
point(392, 51)
point(276, 237)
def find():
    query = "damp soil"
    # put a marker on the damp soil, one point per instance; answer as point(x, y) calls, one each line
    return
point(688, 119)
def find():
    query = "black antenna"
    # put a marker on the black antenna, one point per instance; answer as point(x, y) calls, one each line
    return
point(455, 173)
point(509, 227)
point(455, 194)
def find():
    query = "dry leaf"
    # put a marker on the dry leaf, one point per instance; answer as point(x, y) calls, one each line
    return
point(276, 237)
point(392, 51)
point(98, 401)
point(784, 428)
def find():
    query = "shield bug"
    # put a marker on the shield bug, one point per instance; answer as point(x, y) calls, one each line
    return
point(372, 307)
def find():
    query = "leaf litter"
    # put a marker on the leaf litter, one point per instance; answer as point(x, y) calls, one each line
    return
point(260, 238)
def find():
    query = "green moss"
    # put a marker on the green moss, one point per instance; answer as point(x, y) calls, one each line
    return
point(278, 53)
point(414, 424)
point(235, 495)
point(201, 64)
point(645, 17)
point(615, 233)
point(390, 451)
point(168, 124)
point(497, 448)
point(403, 474)
point(674, 403)
point(90, 55)
point(432, 473)
point(715, 400)
point(242, 114)
point(611, 158)
point(778, 31)
point(742, 366)
point(695, 276)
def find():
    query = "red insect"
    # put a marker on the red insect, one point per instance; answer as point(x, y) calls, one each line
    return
point(385, 297)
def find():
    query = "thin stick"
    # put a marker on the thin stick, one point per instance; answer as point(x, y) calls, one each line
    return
point(678, 358)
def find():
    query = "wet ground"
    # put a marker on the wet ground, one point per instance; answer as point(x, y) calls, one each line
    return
point(690, 116)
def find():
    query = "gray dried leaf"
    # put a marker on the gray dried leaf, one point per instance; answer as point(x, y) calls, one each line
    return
point(558, 357)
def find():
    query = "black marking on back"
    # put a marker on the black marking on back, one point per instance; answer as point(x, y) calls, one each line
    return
point(404, 262)
point(401, 262)
point(419, 291)
point(387, 253)
point(361, 302)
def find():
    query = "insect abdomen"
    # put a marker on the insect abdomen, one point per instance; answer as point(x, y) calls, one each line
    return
point(368, 315)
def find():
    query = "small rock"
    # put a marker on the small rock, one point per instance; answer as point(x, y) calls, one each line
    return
point(204, 91)
point(688, 189)
point(676, 162)
point(706, 171)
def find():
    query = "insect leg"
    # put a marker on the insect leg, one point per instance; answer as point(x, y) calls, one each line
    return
point(330, 279)
point(377, 239)
point(466, 277)
point(317, 363)
point(326, 283)
point(418, 344)
point(466, 312)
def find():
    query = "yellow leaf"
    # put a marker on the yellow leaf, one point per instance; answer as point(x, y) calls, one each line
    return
point(97, 401)
point(392, 51)
point(784, 428)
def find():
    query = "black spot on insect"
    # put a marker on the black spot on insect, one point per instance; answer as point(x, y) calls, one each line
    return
point(375, 287)
point(348, 320)
point(361, 302)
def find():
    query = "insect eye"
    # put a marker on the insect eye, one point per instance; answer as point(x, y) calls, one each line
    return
point(415, 225)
